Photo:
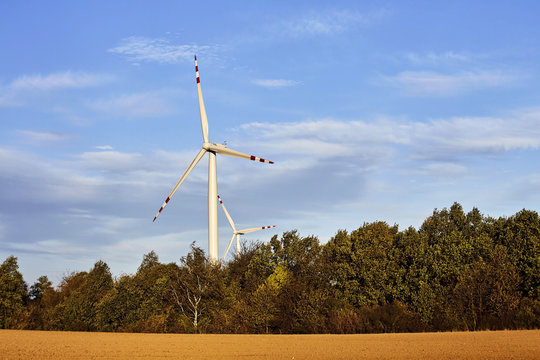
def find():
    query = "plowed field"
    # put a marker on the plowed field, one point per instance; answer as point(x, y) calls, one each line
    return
point(16, 344)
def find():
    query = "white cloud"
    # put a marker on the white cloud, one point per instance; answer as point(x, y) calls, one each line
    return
point(36, 88)
point(137, 49)
point(520, 130)
point(330, 131)
point(62, 80)
point(56, 247)
point(44, 137)
point(434, 58)
point(111, 160)
point(104, 147)
point(134, 105)
point(276, 83)
point(37, 179)
point(427, 83)
point(442, 169)
point(329, 22)
point(329, 138)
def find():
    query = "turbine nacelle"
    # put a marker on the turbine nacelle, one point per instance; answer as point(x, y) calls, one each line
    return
point(213, 147)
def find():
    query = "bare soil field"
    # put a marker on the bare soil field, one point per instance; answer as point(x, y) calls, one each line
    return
point(15, 344)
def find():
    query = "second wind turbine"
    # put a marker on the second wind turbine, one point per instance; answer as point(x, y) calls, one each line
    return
point(212, 149)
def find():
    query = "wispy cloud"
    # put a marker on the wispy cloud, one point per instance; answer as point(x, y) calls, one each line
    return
point(30, 88)
point(160, 50)
point(134, 105)
point(329, 22)
point(61, 80)
point(439, 58)
point(442, 169)
point(43, 180)
point(478, 135)
point(438, 138)
point(427, 83)
point(43, 137)
point(276, 83)
point(110, 160)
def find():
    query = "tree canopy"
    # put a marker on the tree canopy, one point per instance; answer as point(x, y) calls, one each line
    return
point(458, 271)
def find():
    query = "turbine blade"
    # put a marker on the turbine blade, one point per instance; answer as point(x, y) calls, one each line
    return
point(202, 110)
point(245, 231)
point(186, 173)
point(231, 222)
point(222, 149)
point(228, 247)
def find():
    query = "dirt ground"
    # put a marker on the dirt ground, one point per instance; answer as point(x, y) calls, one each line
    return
point(16, 344)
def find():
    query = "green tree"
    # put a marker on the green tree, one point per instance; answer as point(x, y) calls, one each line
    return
point(197, 289)
point(411, 254)
point(263, 301)
point(78, 310)
point(41, 296)
point(361, 264)
point(521, 236)
point(149, 260)
point(486, 295)
point(12, 292)
point(142, 302)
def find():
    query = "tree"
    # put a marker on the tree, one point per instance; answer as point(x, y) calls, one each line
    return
point(40, 287)
point(486, 296)
point(78, 310)
point(197, 287)
point(149, 260)
point(263, 302)
point(361, 266)
point(12, 292)
point(521, 236)
point(41, 297)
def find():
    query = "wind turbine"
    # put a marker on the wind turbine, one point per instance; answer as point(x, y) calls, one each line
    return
point(237, 233)
point(212, 149)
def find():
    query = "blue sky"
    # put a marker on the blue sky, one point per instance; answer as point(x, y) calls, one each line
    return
point(380, 110)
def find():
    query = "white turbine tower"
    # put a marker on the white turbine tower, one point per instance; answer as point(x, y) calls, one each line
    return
point(237, 233)
point(212, 149)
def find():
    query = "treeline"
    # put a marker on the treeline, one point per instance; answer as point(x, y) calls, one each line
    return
point(459, 271)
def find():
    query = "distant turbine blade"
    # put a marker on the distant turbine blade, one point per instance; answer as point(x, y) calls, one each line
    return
point(228, 247)
point(202, 110)
point(223, 150)
point(231, 222)
point(245, 231)
point(186, 173)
